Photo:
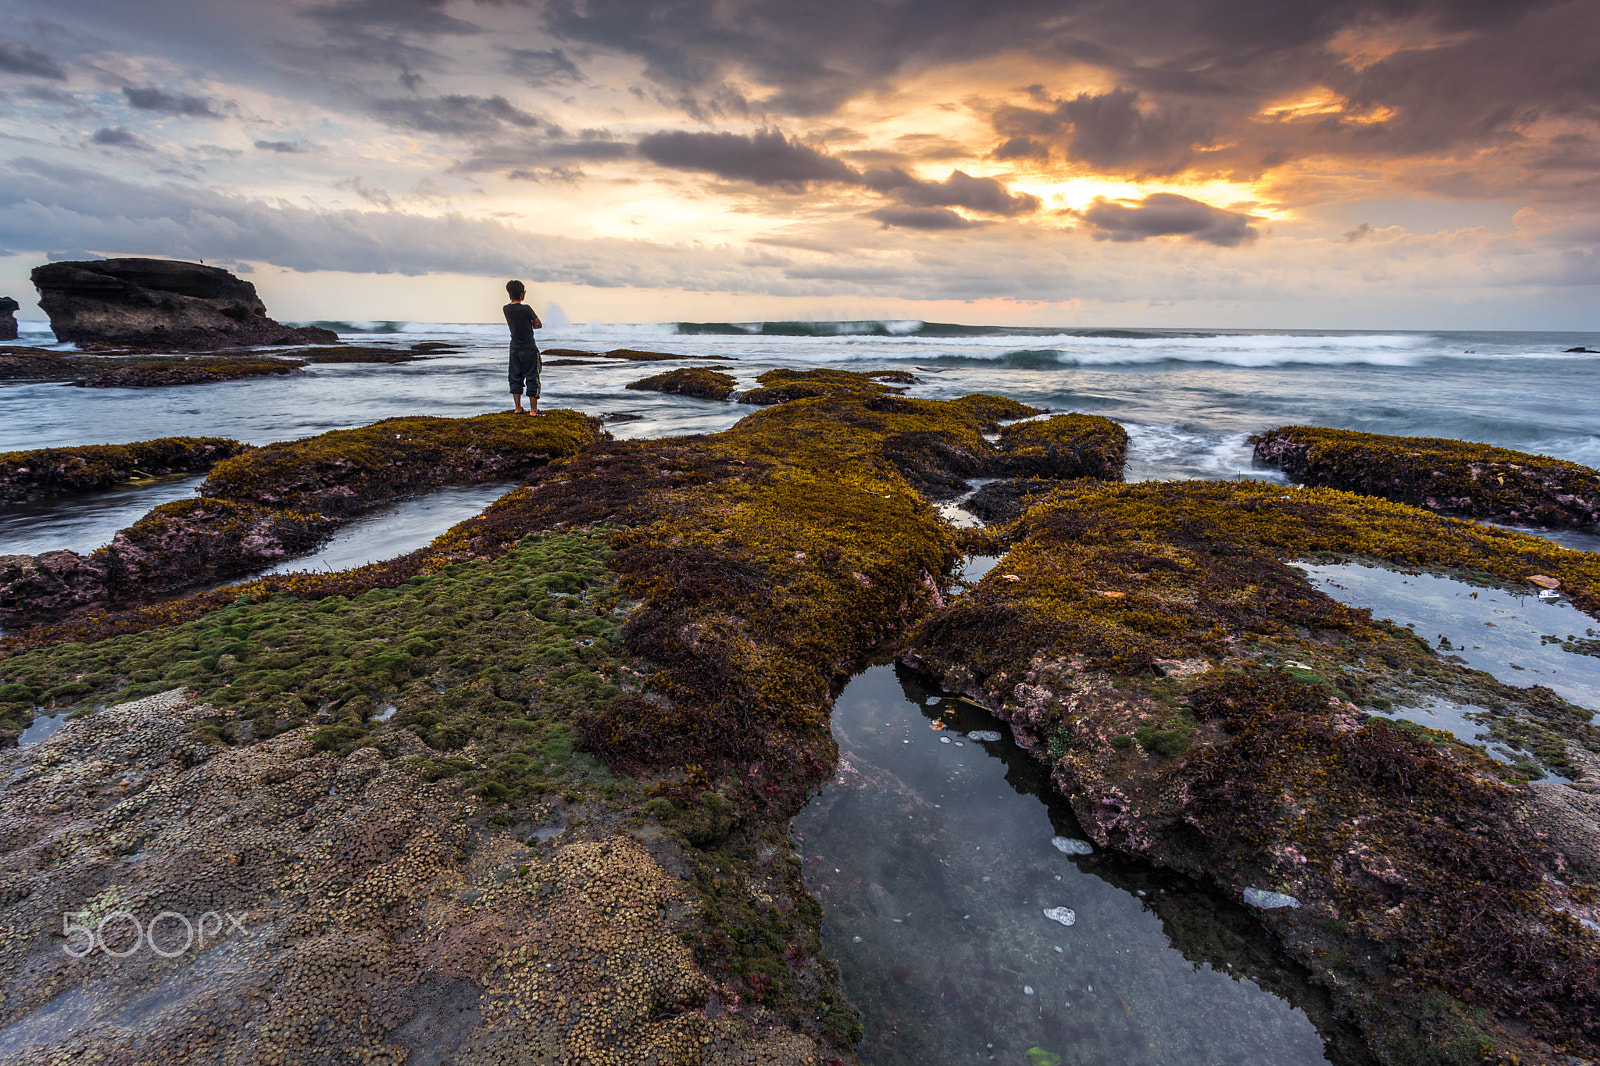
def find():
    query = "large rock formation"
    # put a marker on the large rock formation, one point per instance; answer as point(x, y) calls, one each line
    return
point(8, 318)
point(159, 304)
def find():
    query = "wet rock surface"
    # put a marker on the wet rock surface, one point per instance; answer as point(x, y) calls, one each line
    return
point(1200, 706)
point(158, 304)
point(1448, 476)
point(691, 381)
point(162, 373)
point(281, 501)
point(8, 318)
point(63, 471)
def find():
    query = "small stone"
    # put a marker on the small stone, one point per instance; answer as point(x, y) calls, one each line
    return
point(1545, 582)
point(944, 740)
point(1257, 897)
point(1064, 915)
point(1069, 846)
point(1009, 577)
point(984, 734)
point(1027, 990)
point(1114, 595)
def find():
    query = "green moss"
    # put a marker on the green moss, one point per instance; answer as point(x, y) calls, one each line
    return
point(187, 370)
point(698, 382)
point(1459, 477)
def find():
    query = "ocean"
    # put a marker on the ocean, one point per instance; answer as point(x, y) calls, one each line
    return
point(1188, 398)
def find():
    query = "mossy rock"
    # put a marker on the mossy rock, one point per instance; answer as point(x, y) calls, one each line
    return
point(1448, 476)
point(94, 467)
point(1208, 696)
point(186, 370)
point(1064, 446)
point(358, 354)
point(782, 386)
point(698, 382)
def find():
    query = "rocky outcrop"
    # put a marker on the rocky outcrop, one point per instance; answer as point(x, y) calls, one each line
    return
point(1448, 476)
point(162, 373)
point(281, 501)
point(688, 381)
point(1199, 704)
point(161, 305)
point(90, 468)
point(8, 318)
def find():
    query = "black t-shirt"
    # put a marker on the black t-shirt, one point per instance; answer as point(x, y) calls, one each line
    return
point(520, 318)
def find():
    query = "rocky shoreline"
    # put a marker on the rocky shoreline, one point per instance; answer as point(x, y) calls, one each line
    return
point(526, 790)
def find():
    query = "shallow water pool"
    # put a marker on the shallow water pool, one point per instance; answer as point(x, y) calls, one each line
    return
point(1520, 639)
point(85, 521)
point(936, 857)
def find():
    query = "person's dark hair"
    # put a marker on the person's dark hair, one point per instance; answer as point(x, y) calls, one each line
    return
point(516, 289)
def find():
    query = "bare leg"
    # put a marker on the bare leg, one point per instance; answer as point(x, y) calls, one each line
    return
point(516, 401)
point(533, 405)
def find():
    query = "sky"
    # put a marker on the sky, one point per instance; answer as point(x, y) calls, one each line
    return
point(1319, 164)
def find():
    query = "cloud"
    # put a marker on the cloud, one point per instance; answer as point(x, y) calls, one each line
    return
point(960, 189)
point(117, 137)
point(286, 147)
point(455, 115)
point(19, 58)
point(923, 218)
point(1360, 232)
point(152, 99)
point(766, 157)
point(541, 68)
point(1108, 131)
point(1166, 214)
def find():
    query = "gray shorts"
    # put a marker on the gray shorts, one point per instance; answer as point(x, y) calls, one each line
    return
point(524, 374)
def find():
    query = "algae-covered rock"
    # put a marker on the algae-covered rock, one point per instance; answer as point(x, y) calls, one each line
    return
point(781, 386)
point(273, 503)
point(89, 468)
point(354, 353)
point(1198, 703)
point(199, 370)
point(1450, 476)
point(1004, 501)
point(305, 876)
point(1064, 446)
point(688, 381)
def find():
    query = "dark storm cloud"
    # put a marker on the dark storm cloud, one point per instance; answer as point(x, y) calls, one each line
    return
point(19, 58)
point(923, 218)
point(454, 115)
point(960, 189)
point(765, 158)
point(1420, 76)
point(117, 137)
point(1108, 131)
point(1166, 214)
point(541, 68)
point(286, 147)
point(165, 103)
point(422, 17)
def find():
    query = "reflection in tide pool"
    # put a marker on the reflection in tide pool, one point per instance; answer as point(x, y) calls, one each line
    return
point(401, 528)
point(1522, 640)
point(946, 869)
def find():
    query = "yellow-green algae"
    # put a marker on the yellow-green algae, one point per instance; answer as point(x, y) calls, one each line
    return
point(1197, 701)
point(757, 567)
point(783, 385)
point(698, 382)
point(92, 467)
point(1460, 477)
point(1065, 446)
point(282, 500)
point(392, 877)
point(182, 370)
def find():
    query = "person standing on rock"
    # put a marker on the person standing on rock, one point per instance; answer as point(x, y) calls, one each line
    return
point(523, 320)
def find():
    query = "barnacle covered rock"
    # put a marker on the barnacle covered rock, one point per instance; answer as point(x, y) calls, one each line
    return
point(1450, 476)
